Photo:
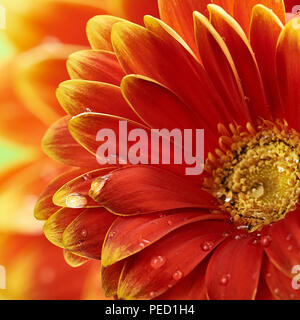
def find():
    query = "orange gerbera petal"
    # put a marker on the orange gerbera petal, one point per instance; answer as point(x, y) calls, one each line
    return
point(74, 194)
point(99, 31)
point(183, 22)
point(58, 222)
point(44, 207)
point(243, 11)
point(142, 52)
point(70, 152)
point(145, 189)
point(130, 235)
point(218, 62)
point(134, 10)
point(288, 70)
point(95, 65)
point(85, 235)
point(264, 32)
point(232, 263)
point(164, 267)
point(78, 96)
point(279, 284)
point(285, 246)
point(74, 260)
point(154, 103)
point(244, 60)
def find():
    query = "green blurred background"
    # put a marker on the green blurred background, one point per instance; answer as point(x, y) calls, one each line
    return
point(9, 152)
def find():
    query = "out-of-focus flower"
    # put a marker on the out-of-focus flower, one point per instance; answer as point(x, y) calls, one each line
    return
point(234, 232)
point(45, 32)
point(35, 270)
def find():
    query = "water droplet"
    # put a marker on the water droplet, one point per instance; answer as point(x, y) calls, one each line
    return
point(237, 237)
point(290, 248)
point(225, 278)
point(98, 184)
point(158, 262)
point(276, 291)
point(143, 243)
point(269, 275)
point(112, 234)
point(152, 294)
point(280, 169)
point(87, 110)
point(76, 200)
point(247, 99)
point(207, 245)
point(177, 275)
point(289, 237)
point(258, 192)
point(84, 233)
point(170, 222)
point(266, 240)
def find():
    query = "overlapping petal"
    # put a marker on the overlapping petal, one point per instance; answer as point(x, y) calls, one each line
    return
point(165, 267)
point(231, 264)
point(130, 235)
point(144, 189)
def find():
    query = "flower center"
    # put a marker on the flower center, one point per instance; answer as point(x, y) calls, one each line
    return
point(257, 179)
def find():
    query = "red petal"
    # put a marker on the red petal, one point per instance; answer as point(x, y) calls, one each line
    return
point(288, 70)
point(218, 62)
point(85, 127)
point(110, 278)
point(44, 207)
point(134, 10)
point(149, 273)
point(59, 145)
point(244, 60)
point(284, 250)
point(58, 222)
point(191, 287)
point(145, 189)
point(78, 189)
point(85, 235)
point(280, 285)
point(243, 10)
point(78, 96)
point(233, 270)
point(130, 235)
point(178, 14)
point(156, 105)
point(264, 33)
point(142, 52)
point(95, 65)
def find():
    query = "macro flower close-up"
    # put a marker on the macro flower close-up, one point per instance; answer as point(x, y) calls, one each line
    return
point(173, 147)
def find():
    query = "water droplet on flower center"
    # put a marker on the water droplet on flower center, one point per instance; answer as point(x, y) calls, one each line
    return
point(177, 275)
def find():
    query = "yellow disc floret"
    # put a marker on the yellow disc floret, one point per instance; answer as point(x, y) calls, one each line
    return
point(257, 179)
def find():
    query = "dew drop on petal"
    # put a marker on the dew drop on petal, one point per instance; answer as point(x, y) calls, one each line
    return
point(152, 294)
point(276, 291)
point(84, 233)
point(290, 248)
point(225, 279)
point(157, 262)
point(266, 240)
point(177, 275)
point(76, 200)
point(207, 245)
point(289, 237)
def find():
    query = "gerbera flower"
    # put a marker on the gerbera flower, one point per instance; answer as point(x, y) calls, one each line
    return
point(232, 233)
